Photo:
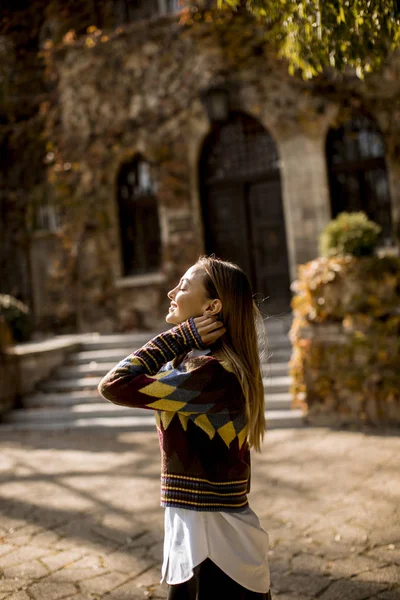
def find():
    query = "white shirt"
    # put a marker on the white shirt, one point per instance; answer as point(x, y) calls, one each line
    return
point(234, 541)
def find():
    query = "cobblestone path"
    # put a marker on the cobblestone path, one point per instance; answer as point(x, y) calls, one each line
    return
point(80, 516)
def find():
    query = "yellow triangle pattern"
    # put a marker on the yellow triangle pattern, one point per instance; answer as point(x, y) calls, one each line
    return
point(242, 436)
point(161, 374)
point(168, 405)
point(227, 432)
point(166, 418)
point(184, 420)
point(203, 422)
point(167, 409)
point(158, 390)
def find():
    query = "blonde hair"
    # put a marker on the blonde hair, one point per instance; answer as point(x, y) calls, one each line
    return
point(239, 348)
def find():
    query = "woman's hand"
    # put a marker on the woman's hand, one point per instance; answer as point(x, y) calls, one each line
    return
point(209, 328)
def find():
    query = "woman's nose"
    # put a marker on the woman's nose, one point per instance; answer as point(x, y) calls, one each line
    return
point(171, 294)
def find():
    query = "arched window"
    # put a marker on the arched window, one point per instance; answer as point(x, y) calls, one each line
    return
point(357, 171)
point(138, 217)
point(133, 10)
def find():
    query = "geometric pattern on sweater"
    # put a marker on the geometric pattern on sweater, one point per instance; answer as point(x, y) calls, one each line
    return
point(209, 423)
point(200, 413)
point(172, 400)
point(168, 389)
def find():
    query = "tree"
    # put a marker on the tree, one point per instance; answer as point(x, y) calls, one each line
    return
point(317, 34)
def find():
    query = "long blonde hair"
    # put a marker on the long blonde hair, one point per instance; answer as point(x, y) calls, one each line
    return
point(239, 349)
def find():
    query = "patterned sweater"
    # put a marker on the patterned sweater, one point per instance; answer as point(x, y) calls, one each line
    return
point(200, 416)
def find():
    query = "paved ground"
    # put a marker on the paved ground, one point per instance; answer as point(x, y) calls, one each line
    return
point(80, 517)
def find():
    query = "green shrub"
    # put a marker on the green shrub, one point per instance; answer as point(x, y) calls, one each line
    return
point(336, 288)
point(17, 316)
point(350, 233)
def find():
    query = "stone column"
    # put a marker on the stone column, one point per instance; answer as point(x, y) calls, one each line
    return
point(199, 127)
point(388, 121)
point(305, 194)
point(393, 171)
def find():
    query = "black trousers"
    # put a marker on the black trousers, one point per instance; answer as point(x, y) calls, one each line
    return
point(210, 583)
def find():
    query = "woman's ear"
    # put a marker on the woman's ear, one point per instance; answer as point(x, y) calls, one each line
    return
point(214, 307)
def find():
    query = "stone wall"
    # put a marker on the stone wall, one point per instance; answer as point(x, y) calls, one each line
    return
point(137, 89)
point(26, 30)
point(345, 364)
point(342, 377)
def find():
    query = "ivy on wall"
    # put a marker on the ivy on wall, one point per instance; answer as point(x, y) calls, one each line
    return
point(42, 164)
point(345, 364)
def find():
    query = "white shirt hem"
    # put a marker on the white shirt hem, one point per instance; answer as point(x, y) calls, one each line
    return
point(226, 539)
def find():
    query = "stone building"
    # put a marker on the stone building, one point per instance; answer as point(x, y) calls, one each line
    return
point(168, 140)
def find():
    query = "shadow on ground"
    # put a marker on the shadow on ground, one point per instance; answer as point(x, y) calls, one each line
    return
point(328, 499)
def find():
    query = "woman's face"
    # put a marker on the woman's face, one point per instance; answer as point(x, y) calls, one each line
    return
point(188, 298)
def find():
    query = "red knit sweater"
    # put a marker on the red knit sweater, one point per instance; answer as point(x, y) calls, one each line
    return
point(200, 415)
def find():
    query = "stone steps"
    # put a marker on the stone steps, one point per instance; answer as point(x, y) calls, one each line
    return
point(101, 351)
point(276, 419)
point(274, 401)
point(95, 369)
point(114, 355)
point(70, 385)
point(40, 399)
point(46, 408)
point(275, 384)
point(69, 399)
point(276, 332)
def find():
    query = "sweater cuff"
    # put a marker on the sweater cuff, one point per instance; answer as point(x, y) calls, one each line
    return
point(191, 334)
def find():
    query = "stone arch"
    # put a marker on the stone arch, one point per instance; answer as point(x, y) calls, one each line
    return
point(241, 200)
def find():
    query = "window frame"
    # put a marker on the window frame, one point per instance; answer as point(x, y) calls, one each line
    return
point(359, 168)
point(142, 210)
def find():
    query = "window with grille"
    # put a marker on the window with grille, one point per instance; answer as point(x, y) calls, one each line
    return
point(357, 171)
point(174, 6)
point(138, 218)
point(48, 218)
point(133, 10)
point(241, 149)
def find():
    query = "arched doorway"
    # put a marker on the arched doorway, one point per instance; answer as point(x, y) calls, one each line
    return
point(242, 206)
point(357, 171)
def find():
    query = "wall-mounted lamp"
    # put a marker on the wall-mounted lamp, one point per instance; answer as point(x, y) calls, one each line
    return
point(216, 102)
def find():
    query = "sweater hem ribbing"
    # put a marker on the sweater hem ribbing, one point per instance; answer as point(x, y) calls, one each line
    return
point(203, 508)
point(199, 493)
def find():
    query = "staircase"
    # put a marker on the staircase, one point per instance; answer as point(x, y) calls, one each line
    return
point(69, 399)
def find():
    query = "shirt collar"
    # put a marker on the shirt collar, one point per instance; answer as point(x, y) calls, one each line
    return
point(195, 353)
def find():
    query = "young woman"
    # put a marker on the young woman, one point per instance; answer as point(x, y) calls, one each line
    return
point(202, 378)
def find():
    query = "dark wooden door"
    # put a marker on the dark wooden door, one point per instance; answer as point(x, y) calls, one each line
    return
point(268, 242)
point(227, 234)
point(242, 207)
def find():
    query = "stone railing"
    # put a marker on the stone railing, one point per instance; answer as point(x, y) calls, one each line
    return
point(23, 366)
